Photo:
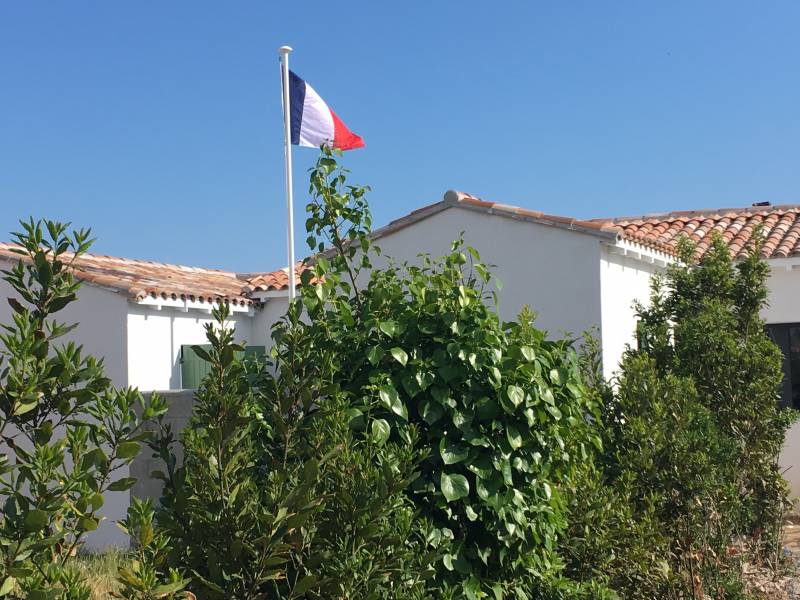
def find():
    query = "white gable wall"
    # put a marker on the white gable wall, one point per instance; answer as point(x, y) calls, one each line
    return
point(623, 282)
point(552, 270)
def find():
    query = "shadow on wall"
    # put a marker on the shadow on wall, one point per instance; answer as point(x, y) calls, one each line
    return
point(180, 404)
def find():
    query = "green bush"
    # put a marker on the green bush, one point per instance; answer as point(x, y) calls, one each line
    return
point(496, 414)
point(275, 497)
point(691, 435)
point(718, 339)
point(231, 526)
point(69, 431)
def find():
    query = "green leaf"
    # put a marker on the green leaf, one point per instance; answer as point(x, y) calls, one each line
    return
point(554, 412)
point(202, 353)
point(514, 437)
point(388, 327)
point(123, 484)
point(391, 399)
point(355, 418)
point(380, 431)
point(528, 353)
point(170, 588)
point(447, 560)
point(547, 395)
point(87, 523)
point(515, 395)
point(7, 586)
point(558, 376)
point(23, 407)
point(35, 520)
point(486, 409)
point(399, 355)
point(128, 449)
point(452, 453)
point(374, 355)
point(497, 591)
point(481, 466)
point(430, 411)
point(303, 585)
point(454, 487)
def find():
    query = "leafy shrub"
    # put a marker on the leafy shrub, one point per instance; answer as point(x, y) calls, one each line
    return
point(146, 576)
point(691, 435)
point(495, 413)
point(70, 432)
point(231, 526)
point(719, 341)
point(275, 497)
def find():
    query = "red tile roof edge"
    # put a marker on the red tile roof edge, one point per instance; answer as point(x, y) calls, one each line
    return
point(141, 279)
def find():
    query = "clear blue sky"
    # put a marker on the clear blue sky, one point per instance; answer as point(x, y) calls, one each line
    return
point(159, 123)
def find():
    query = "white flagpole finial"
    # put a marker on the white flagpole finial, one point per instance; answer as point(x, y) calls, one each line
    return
point(284, 50)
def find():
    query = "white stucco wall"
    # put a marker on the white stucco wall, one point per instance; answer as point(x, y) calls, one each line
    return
point(784, 295)
point(270, 313)
point(623, 281)
point(552, 270)
point(155, 337)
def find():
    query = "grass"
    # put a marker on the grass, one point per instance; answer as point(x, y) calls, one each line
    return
point(100, 571)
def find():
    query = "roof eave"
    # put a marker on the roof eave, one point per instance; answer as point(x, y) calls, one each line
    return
point(460, 200)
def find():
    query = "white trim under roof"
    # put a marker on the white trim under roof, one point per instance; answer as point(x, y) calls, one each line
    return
point(187, 305)
point(641, 252)
point(263, 295)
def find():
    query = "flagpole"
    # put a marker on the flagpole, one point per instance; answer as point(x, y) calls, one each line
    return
point(287, 125)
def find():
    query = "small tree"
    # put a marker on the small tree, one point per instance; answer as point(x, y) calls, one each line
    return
point(691, 436)
point(233, 522)
point(65, 433)
point(496, 413)
point(705, 324)
point(147, 576)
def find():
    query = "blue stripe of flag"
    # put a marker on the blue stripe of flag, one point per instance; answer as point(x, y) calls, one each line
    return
point(297, 96)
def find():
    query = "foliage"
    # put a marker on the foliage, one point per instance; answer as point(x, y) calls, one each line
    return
point(366, 541)
point(70, 433)
point(142, 578)
point(495, 413)
point(691, 434)
point(231, 526)
point(276, 498)
point(718, 340)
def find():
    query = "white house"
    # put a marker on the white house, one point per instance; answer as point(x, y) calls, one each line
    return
point(576, 274)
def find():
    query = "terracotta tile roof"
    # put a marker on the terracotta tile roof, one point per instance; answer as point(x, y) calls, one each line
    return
point(140, 279)
point(781, 229)
point(273, 281)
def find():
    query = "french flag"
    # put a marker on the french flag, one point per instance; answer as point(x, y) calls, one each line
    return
point(313, 123)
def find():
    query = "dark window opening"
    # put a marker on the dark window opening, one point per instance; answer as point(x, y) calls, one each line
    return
point(787, 337)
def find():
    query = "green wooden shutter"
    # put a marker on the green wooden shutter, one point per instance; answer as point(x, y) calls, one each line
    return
point(194, 368)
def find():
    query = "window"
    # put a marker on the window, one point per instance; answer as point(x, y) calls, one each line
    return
point(194, 368)
point(787, 337)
